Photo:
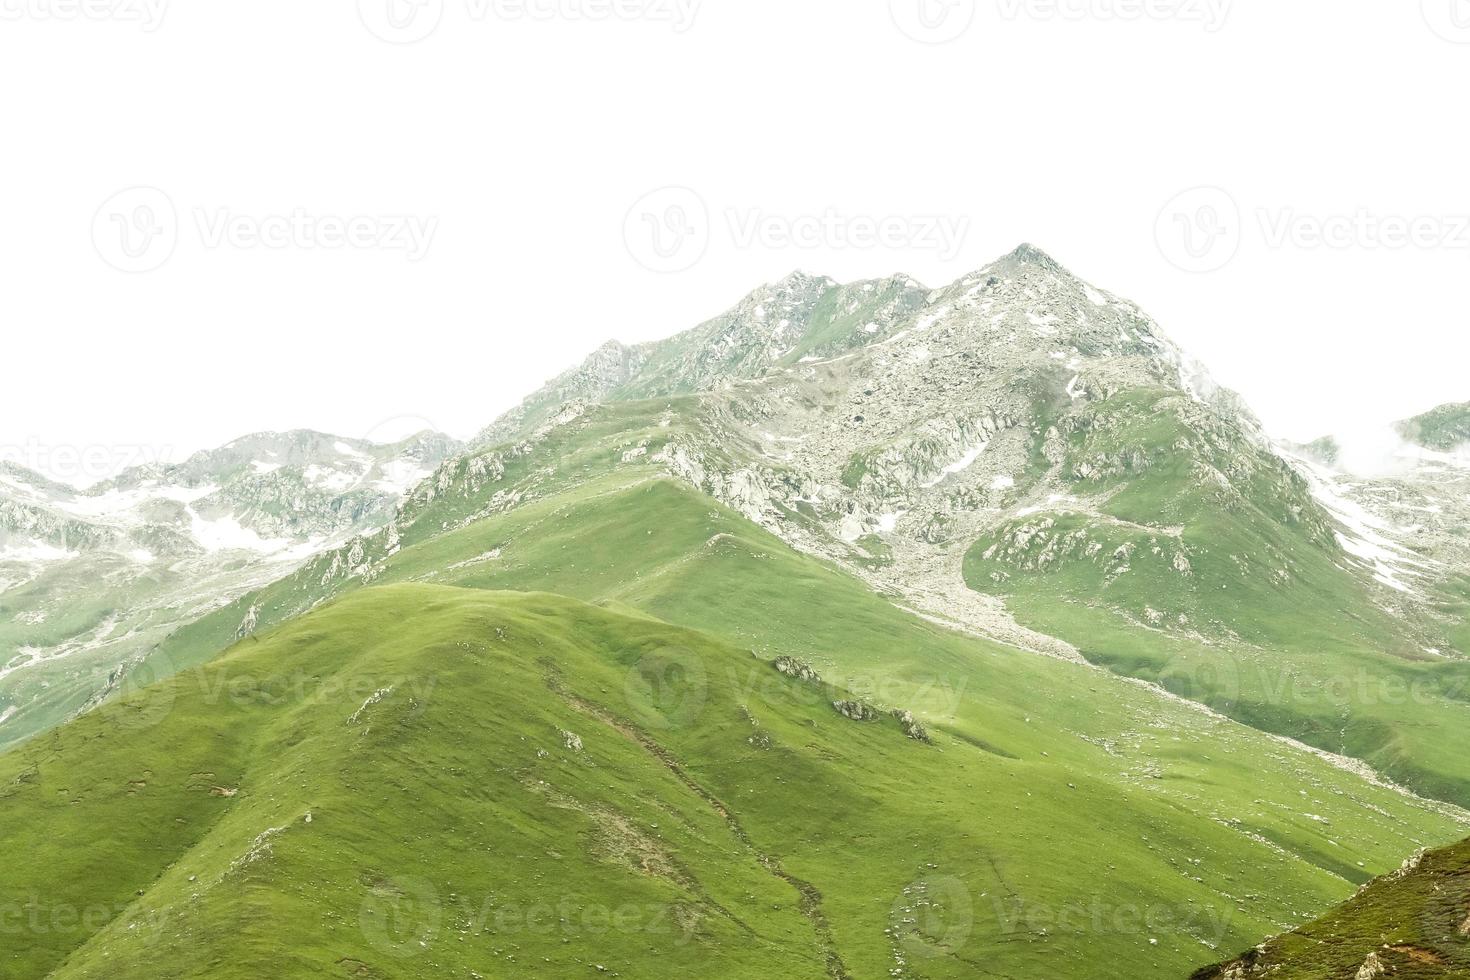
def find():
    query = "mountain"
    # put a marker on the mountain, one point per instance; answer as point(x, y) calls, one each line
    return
point(91, 579)
point(433, 777)
point(800, 317)
point(1402, 495)
point(1412, 923)
point(1030, 457)
point(863, 629)
point(1445, 429)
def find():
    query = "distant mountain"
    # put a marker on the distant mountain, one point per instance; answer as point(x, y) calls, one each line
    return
point(1445, 428)
point(90, 579)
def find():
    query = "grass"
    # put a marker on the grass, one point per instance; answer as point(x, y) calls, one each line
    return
point(1417, 925)
point(722, 818)
point(1227, 594)
point(452, 830)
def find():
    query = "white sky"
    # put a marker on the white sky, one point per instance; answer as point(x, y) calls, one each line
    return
point(528, 140)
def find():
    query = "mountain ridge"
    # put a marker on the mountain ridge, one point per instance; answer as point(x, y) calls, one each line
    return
point(1016, 463)
point(92, 579)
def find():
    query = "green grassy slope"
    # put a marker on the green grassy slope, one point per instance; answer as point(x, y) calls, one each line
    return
point(1413, 924)
point(1065, 822)
point(1203, 570)
point(384, 789)
point(720, 817)
point(1064, 810)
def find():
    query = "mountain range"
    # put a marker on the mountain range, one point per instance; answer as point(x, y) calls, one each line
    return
point(863, 630)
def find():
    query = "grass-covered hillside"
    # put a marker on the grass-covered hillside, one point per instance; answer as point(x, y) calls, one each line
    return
point(1181, 558)
point(686, 669)
point(1060, 822)
point(421, 781)
point(1413, 924)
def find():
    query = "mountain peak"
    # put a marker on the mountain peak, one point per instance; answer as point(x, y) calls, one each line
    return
point(1028, 254)
point(798, 279)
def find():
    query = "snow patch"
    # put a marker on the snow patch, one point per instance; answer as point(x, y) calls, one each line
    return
point(38, 552)
point(964, 463)
point(228, 534)
point(1363, 534)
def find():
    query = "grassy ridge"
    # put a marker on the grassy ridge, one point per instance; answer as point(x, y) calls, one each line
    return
point(1065, 822)
point(1228, 593)
point(1413, 924)
point(1034, 758)
point(713, 815)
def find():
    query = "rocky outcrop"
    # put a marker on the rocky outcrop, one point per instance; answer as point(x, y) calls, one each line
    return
point(1372, 968)
point(912, 727)
point(248, 624)
point(794, 668)
point(856, 710)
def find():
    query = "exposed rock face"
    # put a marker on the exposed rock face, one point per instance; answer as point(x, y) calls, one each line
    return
point(912, 727)
point(248, 624)
point(571, 741)
point(887, 426)
point(792, 667)
point(856, 710)
point(1371, 969)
